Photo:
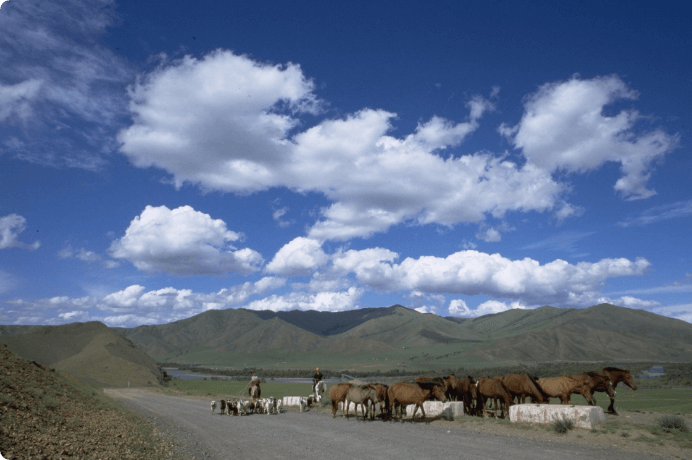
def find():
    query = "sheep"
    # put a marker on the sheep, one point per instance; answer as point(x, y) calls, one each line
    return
point(279, 405)
point(303, 403)
point(213, 407)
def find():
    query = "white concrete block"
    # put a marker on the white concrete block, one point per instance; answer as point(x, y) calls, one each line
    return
point(448, 410)
point(291, 400)
point(583, 416)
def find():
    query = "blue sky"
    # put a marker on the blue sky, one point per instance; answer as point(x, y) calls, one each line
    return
point(158, 160)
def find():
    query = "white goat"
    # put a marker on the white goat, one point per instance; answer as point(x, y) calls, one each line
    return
point(269, 405)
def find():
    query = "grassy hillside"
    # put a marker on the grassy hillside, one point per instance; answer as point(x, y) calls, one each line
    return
point(90, 351)
point(401, 338)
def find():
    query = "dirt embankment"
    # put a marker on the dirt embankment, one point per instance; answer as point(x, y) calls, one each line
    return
point(47, 415)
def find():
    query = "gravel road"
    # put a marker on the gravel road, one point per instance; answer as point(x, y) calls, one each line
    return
point(315, 436)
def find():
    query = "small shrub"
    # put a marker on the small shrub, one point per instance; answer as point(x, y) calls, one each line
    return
point(670, 423)
point(562, 425)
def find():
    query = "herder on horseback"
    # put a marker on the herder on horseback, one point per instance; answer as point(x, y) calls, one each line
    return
point(254, 382)
point(316, 378)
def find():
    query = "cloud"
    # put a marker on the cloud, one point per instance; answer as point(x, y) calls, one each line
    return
point(458, 307)
point(564, 128)
point(10, 228)
point(659, 213)
point(82, 254)
point(15, 100)
point(298, 257)
point(183, 241)
point(682, 312)
point(321, 301)
point(135, 305)
point(55, 75)
point(471, 273)
point(232, 112)
point(226, 122)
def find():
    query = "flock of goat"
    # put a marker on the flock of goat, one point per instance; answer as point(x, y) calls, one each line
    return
point(475, 393)
point(270, 405)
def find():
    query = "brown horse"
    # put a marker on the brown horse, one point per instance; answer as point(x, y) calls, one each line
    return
point(492, 388)
point(466, 392)
point(382, 396)
point(597, 381)
point(616, 376)
point(563, 387)
point(449, 382)
point(404, 394)
point(522, 385)
point(337, 394)
point(255, 391)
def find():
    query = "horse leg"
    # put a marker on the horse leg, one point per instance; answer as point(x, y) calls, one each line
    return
point(611, 408)
point(346, 404)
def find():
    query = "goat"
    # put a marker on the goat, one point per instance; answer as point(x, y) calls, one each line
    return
point(213, 407)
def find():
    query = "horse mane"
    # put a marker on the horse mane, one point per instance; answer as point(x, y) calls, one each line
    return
point(430, 384)
point(614, 369)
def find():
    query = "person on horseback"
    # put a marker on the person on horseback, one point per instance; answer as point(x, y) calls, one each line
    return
point(316, 378)
point(254, 381)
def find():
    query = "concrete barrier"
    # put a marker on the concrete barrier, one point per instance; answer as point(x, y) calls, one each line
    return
point(583, 416)
point(292, 400)
point(448, 410)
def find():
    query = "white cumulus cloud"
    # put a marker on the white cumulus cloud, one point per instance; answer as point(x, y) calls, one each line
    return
point(320, 301)
point(471, 273)
point(564, 127)
point(458, 307)
point(10, 228)
point(226, 122)
point(183, 241)
point(300, 256)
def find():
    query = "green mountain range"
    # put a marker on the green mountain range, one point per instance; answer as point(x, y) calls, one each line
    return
point(366, 339)
point(396, 337)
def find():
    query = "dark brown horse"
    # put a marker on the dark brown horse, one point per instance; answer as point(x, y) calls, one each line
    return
point(466, 392)
point(597, 381)
point(382, 396)
point(449, 382)
point(616, 376)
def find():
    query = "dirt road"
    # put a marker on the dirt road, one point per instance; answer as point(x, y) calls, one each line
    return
point(316, 436)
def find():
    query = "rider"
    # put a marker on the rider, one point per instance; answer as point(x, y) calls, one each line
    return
point(254, 381)
point(316, 378)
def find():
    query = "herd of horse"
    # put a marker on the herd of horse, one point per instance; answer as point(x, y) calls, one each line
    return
point(501, 391)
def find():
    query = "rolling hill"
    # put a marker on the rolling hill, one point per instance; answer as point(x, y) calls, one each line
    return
point(369, 338)
point(90, 351)
point(398, 336)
